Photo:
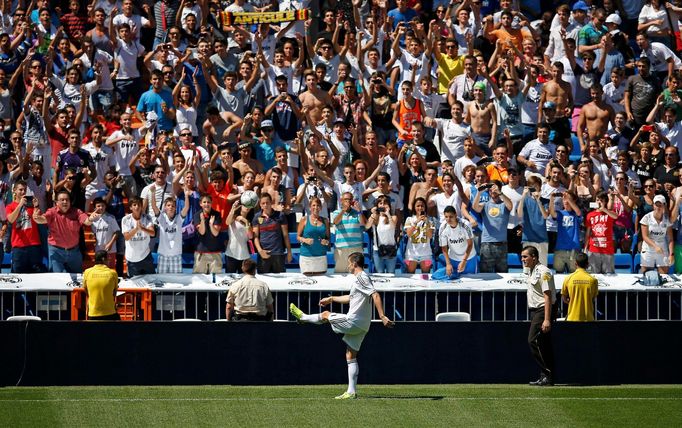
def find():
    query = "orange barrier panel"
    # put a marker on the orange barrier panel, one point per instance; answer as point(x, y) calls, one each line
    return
point(135, 304)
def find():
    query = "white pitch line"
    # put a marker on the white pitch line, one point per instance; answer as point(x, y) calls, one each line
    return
point(435, 398)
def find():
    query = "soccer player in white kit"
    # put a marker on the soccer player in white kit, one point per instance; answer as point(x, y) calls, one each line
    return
point(355, 324)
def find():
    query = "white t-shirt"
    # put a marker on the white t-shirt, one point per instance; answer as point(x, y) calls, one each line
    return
point(331, 64)
point(104, 59)
point(659, 54)
point(455, 238)
point(648, 14)
point(673, 134)
point(396, 200)
point(136, 23)
point(125, 150)
point(529, 108)
point(613, 96)
point(356, 189)
point(126, 55)
point(237, 244)
point(170, 235)
point(104, 160)
point(462, 163)
point(315, 191)
point(419, 245)
point(442, 200)
point(538, 153)
point(104, 228)
point(515, 196)
point(137, 247)
point(453, 136)
point(360, 306)
point(161, 192)
point(657, 232)
point(545, 192)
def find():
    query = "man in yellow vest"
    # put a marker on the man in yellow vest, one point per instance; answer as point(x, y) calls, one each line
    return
point(579, 291)
point(100, 283)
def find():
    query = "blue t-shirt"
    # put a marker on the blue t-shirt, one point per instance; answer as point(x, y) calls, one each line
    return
point(534, 229)
point(265, 153)
point(485, 197)
point(495, 221)
point(151, 100)
point(568, 232)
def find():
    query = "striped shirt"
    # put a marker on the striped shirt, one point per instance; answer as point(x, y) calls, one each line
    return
point(349, 230)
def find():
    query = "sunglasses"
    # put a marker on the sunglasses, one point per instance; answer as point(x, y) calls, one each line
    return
point(186, 134)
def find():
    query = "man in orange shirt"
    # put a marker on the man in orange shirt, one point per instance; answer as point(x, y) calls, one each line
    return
point(506, 33)
point(498, 170)
point(222, 195)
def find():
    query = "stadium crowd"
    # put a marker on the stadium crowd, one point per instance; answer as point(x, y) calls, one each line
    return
point(461, 130)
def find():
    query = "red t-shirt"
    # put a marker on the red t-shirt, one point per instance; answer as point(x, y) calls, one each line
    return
point(220, 202)
point(24, 229)
point(64, 227)
point(58, 142)
point(601, 232)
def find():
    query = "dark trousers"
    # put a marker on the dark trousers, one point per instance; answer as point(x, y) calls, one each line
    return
point(143, 267)
point(112, 317)
point(233, 265)
point(493, 257)
point(252, 317)
point(274, 264)
point(27, 259)
point(541, 343)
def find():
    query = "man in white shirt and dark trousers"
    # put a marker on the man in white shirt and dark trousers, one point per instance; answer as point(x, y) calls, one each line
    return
point(541, 297)
point(355, 324)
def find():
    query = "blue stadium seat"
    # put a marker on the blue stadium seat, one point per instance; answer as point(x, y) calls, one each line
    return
point(575, 153)
point(623, 263)
point(550, 260)
point(7, 262)
point(155, 258)
point(293, 240)
point(637, 263)
point(514, 264)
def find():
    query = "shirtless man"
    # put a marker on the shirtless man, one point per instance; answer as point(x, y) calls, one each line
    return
point(246, 163)
point(595, 117)
point(281, 196)
point(314, 98)
point(482, 116)
point(426, 188)
point(558, 91)
point(370, 151)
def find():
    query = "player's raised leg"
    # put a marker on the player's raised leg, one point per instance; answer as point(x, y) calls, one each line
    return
point(303, 317)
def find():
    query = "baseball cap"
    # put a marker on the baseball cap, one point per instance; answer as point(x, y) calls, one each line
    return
point(613, 19)
point(244, 145)
point(267, 123)
point(339, 121)
point(580, 5)
point(659, 198)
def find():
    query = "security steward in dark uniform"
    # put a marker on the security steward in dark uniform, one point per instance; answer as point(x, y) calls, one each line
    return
point(541, 297)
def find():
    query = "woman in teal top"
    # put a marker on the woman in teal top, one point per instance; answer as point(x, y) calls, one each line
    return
point(313, 234)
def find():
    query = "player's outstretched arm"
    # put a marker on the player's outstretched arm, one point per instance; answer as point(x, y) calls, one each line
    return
point(344, 300)
point(380, 309)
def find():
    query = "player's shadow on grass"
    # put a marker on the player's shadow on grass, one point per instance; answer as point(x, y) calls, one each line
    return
point(404, 397)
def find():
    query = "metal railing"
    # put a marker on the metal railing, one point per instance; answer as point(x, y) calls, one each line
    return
point(653, 304)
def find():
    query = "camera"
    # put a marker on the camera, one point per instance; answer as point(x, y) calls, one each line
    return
point(466, 96)
point(29, 200)
point(312, 179)
point(380, 210)
point(558, 194)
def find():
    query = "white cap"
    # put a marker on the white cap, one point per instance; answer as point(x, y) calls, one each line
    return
point(659, 198)
point(613, 19)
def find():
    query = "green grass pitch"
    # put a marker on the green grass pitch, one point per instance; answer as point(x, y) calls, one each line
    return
point(302, 406)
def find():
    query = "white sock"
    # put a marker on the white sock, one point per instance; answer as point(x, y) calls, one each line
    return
point(312, 318)
point(353, 371)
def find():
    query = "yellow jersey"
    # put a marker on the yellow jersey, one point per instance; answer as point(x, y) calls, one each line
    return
point(101, 284)
point(581, 288)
